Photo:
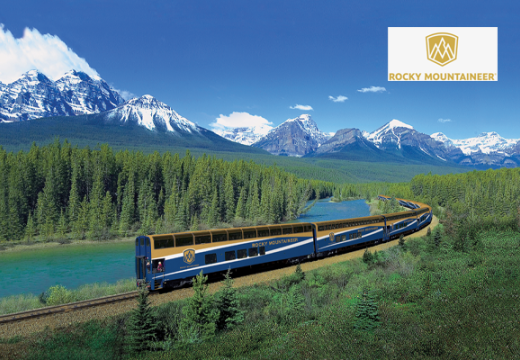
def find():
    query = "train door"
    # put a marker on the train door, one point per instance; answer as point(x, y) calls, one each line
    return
point(142, 256)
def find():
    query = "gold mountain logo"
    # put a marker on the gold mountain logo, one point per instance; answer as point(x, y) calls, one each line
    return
point(331, 236)
point(189, 256)
point(442, 48)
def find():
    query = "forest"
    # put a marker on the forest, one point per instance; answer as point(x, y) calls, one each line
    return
point(58, 191)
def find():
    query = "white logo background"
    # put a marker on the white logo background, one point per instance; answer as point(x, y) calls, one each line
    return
point(477, 50)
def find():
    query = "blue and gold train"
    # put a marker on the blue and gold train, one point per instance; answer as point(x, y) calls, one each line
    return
point(170, 260)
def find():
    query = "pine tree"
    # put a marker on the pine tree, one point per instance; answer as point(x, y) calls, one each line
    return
point(367, 314)
point(200, 315)
point(62, 226)
point(229, 198)
point(213, 214)
point(241, 206)
point(142, 325)
point(227, 305)
point(437, 238)
point(30, 229)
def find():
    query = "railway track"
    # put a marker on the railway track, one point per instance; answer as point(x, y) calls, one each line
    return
point(50, 310)
point(13, 324)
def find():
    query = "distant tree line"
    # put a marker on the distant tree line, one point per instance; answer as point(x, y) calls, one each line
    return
point(57, 191)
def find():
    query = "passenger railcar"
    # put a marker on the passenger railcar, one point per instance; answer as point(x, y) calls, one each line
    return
point(170, 260)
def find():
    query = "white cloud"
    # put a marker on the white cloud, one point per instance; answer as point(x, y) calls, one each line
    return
point(373, 89)
point(127, 95)
point(46, 53)
point(444, 120)
point(340, 98)
point(301, 107)
point(241, 119)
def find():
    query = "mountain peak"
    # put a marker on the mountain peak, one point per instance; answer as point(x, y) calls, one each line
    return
point(397, 124)
point(149, 112)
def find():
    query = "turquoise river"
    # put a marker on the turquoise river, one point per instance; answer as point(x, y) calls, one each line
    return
point(35, 270)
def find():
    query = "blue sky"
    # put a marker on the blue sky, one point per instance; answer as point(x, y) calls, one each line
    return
point(211, 58)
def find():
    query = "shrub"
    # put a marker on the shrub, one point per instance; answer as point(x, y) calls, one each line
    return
point(59, 295)
point(401, 240)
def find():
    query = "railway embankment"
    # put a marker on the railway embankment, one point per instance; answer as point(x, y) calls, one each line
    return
point(28, 326)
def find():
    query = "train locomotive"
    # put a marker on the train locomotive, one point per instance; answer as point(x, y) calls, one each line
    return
point(171, 260)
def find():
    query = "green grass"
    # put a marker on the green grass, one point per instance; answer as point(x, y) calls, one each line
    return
point(432, 302)
point(58, 295)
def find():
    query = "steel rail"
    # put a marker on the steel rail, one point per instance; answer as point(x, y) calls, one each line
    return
point(50, 310)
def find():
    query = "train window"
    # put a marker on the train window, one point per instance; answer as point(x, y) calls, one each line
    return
point(253, 251)
point(337, 238)
point(359, 234)
point(204, 239)
point(307, 228)
point(235, 235)
point(148, 242)
point(276, 231)
point(210, 258)
point(183, 240)
point(321, 228)
point(230, 255)
point(249, 234)
point(242, 253)
point(142, 241)
point(219, 237)
point(262, 250)
point(161, 242)
point(263, 233)
point(137, 242)
point(298, 229)
point(343, 237)
point(287, 230)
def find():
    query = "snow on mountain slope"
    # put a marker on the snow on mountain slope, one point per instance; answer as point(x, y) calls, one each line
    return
point(294, 137)
point(244, 135)
point(486, 143)
point(87, 95)
point(34, 95)
point(149, 112)
point(390, 132)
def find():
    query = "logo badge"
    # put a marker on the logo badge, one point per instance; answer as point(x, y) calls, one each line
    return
point(331, 236)
point(441, 48)
point(189, 256)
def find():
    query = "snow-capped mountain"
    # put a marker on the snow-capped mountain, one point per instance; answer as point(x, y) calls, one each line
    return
point(34, 95)
point(294, 137)
point(486, 143)
point(87, 95)
point(391, 132)
point(149, 112)
point(244, 135)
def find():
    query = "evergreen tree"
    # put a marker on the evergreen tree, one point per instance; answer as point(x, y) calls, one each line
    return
point(200, 315)
point(141, 325)
point(437, 238)
point(367, 314)
point(241, 206)
point(227, 305)
point(30, 229)
point(229, 198)
point(62, 226)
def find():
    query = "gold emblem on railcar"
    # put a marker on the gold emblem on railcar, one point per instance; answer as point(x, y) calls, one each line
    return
point(189, 256)
point(331, 236)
